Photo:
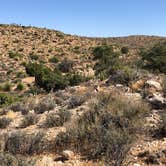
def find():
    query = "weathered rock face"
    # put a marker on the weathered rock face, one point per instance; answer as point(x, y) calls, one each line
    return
point(153, 84)
point(157, 101)
point(152, 87)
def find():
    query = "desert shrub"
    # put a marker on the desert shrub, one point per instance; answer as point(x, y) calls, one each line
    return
point(31, 68)
point(20, 86)
point(19, 107)
point(20, 74)
point(4, 122)
point(46, 104)
point(34, 57)
point(7, 159)
point(76, 49)
point(7, 87)
point(108, 61)
point(35, 90)
point(76, 101)
point(155, 58)
point(75, 79)
point(29, 119)
point(124, 50)
point(106, 131)
point(66, 66)
point(57, 119)
point(101, 51)
point(5, 99)
point(123, 76)
point(54, 60)
point(14, 55)
point(45, 77)
point(20, 143)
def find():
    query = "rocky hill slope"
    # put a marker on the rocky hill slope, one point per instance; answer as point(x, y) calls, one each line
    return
point(69, 100)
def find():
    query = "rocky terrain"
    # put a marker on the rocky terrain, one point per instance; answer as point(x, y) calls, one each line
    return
point(77, 101)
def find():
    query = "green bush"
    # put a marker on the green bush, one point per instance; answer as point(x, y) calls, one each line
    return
point(34, 57)
point(106, 131)
point(124, 50)
point(20, 86)
point(5, 99)
point(107, 61)
point(14, 55)
point(54, 60)
point(155, 58)
point(7, 87)
point(75, 79)
point(45, 77)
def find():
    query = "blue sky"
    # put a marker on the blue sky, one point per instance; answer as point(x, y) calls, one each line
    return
point(89, 17)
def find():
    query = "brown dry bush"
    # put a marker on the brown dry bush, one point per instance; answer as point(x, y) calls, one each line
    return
point(106, 131)
point(21, 143)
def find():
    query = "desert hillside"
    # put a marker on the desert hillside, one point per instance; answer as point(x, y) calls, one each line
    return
point(78, 101)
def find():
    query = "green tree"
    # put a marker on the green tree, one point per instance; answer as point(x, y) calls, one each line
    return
point(155, 58)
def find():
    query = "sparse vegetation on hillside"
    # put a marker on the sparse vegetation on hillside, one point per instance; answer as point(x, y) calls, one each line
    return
point(70, 100)
point(106, 130)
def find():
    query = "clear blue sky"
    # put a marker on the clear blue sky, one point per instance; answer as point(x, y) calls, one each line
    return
point(89, 17)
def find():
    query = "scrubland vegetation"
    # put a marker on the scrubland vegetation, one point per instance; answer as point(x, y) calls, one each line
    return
point(98, 100)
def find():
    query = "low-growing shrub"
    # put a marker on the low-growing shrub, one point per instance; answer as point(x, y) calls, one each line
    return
point(47, 104)
point(66, 66)
point(19, 107)
point(5, 99)
point(14, 55)
point(124, 50)
point(57, 119)
point(76, 101)
point(7, 87)
point(20, 86)
point(4, 122)
point(124, 75)
point(7, 159)
point(20, 143)
point(106, 131)
point(29, 119)
point(54, 60)
point(34, 57)
point(76, 79)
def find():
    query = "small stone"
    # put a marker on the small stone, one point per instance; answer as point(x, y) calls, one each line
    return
point(68, 154)
point(136, 164)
